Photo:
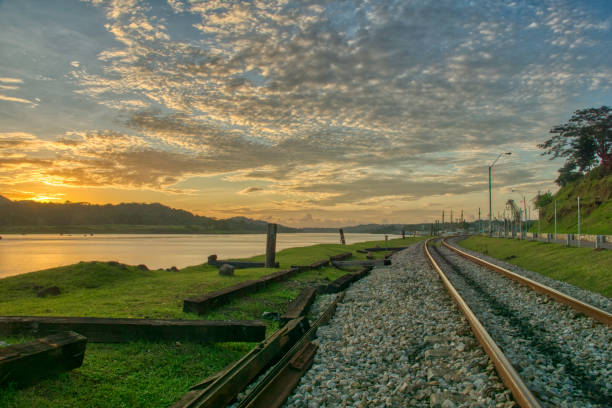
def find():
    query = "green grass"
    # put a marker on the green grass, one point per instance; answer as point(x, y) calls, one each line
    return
point(595, 194)
point(582, 267)
point(149, 374)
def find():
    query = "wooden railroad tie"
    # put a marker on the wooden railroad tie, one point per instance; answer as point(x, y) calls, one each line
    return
point(26, 363)
point(203, 303)
point(301, 304)
point(379, 249)
point(107, 330)
point(220, 389)
point(340, 257)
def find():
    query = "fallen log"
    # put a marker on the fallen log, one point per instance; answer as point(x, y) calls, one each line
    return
point(107, 330)
point(24, 364)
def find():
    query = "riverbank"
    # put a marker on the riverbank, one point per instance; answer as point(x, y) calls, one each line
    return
point(152, 374)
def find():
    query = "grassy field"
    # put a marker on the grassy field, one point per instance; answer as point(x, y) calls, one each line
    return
point(582, 267)
point(151, 374)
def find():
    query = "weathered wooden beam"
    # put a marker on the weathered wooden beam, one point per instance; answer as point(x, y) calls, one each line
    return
point(271, 245)
point(372, 263)
point(344, 281)
point(26, 363)
point(107, 330)
point(224, 388)
point(378, 249)
point(314, 265)
point(300, 305)
point(240, 264)
point(342, 241)
point(276, 392)
point(204, 303)
point(340, 257)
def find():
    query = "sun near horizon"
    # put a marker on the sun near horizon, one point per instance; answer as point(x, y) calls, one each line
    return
point(299, 113)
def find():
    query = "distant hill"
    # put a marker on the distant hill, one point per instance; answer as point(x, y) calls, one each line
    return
point(31, 216)
point(595, 192)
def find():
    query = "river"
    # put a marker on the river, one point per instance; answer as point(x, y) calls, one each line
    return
point(26, 253)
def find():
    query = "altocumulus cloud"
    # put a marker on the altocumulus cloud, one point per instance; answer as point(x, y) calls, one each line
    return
point(327, 97)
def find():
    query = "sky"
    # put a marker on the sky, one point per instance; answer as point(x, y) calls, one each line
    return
point(305, 113)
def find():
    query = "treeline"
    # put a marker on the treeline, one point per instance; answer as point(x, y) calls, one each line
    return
point(34, 214)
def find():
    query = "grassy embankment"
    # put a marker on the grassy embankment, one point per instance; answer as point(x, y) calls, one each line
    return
point(582, 267)
point(595, 194)
point(150, 374)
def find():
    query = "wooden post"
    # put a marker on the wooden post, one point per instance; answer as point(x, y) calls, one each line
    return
point(403, 234)
point(342, 241)
point(271, 246)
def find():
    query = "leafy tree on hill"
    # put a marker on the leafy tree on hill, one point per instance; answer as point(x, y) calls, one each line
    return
point(586, 141)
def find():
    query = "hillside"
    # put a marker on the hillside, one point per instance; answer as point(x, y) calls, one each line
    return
point(32, 217)
point(595, 194)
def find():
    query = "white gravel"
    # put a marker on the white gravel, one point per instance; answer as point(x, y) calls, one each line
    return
point(586, 296)
point(563, 356)
point(398, 340)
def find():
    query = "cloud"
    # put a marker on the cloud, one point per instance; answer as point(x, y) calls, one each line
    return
point(14, 99)
point(331, 104)
point(11, 80)
point(250, 190)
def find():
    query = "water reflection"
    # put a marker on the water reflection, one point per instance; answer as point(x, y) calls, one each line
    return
point(26, 253)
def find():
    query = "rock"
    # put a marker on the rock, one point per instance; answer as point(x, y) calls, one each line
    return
point(50, 291)
point(212, 259)
point(3, 343)
point(271, 315)
point(143, 267)
point(172, 269)
point(226, 270)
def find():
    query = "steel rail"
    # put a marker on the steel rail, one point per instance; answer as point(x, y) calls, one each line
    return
point(522, 395)
point(589, 310)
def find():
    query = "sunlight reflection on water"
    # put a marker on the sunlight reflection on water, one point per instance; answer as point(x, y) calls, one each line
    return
point(25, 253)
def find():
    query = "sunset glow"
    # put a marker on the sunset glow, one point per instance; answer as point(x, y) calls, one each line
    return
point(303, 113)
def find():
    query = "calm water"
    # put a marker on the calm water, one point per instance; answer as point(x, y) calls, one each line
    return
point(26, 253)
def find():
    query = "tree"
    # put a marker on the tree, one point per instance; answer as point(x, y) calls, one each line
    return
point(586, 140)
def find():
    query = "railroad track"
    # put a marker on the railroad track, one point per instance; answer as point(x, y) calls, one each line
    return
point(547, 354)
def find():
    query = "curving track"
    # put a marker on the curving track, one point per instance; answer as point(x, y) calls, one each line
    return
point(563, 356)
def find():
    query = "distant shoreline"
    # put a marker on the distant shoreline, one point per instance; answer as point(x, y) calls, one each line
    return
point(134, 229)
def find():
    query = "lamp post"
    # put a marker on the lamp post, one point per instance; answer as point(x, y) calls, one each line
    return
point(490, 202)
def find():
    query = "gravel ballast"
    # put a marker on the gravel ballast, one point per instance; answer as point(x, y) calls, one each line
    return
point(398, 340)
point(564, 357)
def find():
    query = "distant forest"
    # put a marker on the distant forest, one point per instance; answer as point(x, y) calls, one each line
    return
point(24, 216)
point(137, 218)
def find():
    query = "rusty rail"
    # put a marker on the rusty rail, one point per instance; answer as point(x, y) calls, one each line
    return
point(522, 395)
point(589, 310)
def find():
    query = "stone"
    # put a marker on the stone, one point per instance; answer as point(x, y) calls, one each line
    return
point(271, 315)
point(143, 267)
point(50, 291)
point(226, 270)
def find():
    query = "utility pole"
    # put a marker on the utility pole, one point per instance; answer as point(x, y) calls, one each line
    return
point(442, 219)
point(451, 225)
point(479, 222)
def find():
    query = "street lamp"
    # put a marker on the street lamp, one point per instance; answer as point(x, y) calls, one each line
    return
point(490, 203)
